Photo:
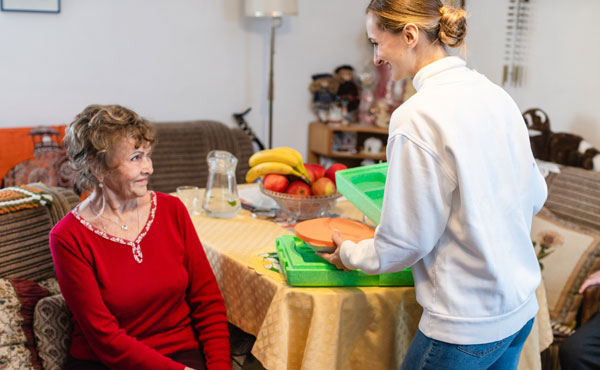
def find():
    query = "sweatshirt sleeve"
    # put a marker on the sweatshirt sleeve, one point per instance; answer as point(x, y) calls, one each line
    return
point(109, 342)
point(206, 302)
point(416, 207)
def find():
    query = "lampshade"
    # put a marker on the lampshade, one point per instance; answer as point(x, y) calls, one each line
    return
point(270, 8)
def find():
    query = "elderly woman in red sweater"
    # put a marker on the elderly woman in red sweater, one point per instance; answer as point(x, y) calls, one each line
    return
point(128, 260)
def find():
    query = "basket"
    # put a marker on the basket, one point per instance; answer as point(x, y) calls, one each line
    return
point(297, 208)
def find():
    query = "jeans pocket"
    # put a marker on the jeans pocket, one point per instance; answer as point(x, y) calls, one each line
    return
point(480, 350)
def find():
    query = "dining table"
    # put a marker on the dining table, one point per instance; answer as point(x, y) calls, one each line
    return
point(318, 327)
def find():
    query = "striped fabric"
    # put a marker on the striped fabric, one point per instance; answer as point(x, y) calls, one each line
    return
point(245, 149)
point(24, 250)
point(179, 156)
point(574, 195)
point(64, 200)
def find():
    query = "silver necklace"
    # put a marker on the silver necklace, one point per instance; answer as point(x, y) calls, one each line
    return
point(124, 227)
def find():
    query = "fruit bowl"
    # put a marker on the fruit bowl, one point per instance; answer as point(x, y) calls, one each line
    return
point(297, 208)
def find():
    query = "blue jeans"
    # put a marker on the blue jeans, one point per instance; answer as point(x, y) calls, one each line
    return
point(429, 354)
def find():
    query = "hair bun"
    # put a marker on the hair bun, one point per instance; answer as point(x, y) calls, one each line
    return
point(453, 26)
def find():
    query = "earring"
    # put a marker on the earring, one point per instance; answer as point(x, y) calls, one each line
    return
point(101, 186)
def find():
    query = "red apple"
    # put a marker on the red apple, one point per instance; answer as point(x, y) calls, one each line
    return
point(311, 174)
point(317, 169)
point(323, 186)
point(333, 169)
point(275, 182)
point(299, 188)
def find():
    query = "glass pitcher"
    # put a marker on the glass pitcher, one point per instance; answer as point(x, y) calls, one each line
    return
point(221, 197)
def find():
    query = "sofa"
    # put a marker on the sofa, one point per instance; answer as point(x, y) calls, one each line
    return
point(34, 154)
point(179, 156)
point(570, 221)
point(27, 278)
point(35, 323)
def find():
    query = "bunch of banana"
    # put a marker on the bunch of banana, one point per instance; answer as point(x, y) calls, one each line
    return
point(281, 160)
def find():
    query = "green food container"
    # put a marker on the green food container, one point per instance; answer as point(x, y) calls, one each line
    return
point(363, 187)
point(302, 267)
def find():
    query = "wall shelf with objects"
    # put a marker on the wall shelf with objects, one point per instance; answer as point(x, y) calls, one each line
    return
point(348, 144)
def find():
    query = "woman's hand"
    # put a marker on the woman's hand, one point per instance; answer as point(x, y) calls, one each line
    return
point(334, 257)
point(188, 368)
point(593, 279)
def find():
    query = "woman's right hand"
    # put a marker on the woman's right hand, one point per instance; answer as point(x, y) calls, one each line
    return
point(188, 368)
point(334, 257)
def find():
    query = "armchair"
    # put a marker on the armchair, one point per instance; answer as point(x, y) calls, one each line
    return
point(591, 303)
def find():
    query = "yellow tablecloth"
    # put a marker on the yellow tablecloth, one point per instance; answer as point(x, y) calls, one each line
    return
point(318, 328)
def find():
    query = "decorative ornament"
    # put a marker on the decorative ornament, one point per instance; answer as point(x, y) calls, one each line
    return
point(517, 27)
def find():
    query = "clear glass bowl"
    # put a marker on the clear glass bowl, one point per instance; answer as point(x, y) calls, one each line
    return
point(298, 209)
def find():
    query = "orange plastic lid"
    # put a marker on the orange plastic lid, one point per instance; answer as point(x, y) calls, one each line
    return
point(319, 231)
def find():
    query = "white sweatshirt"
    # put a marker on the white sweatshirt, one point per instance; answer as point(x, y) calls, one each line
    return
point(461, 190)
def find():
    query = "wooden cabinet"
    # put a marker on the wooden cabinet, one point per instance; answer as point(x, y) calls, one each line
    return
point(324, 140)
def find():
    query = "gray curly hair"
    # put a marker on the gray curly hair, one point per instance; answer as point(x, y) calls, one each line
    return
point(90, 139)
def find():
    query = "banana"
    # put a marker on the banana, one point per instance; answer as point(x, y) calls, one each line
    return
point(272, 155)
point(292, 151)
point(281, 154)
point(265, 168)
point(300, 165)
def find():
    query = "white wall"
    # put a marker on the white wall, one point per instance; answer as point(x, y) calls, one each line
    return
point(166, 59)
point(172, 60)
point(562, 59)
point(201, 59)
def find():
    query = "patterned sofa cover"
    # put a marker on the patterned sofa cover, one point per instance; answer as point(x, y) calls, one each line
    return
point(27, 278)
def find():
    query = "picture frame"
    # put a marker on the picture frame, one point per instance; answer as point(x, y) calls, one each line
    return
point(30, 6)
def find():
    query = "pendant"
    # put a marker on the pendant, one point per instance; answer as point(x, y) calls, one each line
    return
point(124, 227)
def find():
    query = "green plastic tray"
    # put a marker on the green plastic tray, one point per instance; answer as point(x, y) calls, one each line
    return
point(302, 267)
point(363, 186)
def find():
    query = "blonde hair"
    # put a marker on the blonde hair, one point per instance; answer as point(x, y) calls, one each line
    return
point(440, 22)
point(90, 139)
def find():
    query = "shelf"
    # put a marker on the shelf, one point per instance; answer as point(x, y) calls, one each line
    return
point(358, 127)
point(361, 155)
point(320, 142)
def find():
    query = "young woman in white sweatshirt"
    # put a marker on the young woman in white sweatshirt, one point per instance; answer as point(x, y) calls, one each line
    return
point(461, 190)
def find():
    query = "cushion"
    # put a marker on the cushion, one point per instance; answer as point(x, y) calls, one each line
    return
point(568, 254)
point(18, 298)
point(52, 327)
point(24, 251)
point(574, 195)
point(51, 285)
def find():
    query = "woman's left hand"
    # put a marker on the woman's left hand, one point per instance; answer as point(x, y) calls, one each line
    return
point(334, 257)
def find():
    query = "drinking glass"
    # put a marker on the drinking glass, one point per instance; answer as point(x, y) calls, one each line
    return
point(189, 196)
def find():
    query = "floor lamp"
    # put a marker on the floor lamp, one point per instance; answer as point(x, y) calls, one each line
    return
point(273, 9)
